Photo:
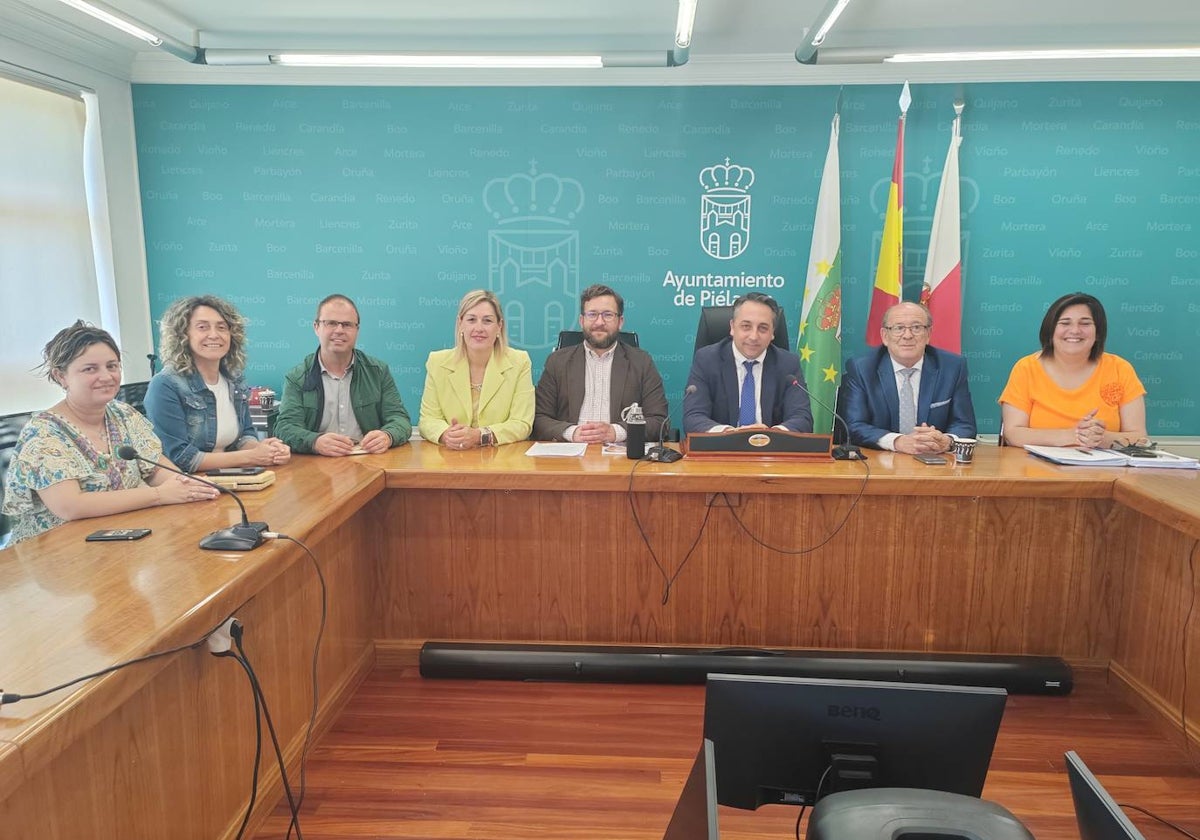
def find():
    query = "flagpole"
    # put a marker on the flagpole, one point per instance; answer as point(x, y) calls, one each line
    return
point(889, 273)
point(905, 101)
point(941, 291)
point(819, 344)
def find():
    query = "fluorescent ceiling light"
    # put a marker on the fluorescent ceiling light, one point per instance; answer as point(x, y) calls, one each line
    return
point(113, 20)
point(686, 21)
point(823, 30)
point(519, 62)
point(1025, 55)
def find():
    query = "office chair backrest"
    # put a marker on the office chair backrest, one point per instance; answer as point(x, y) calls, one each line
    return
point(569, 338)
point(714, 326)
point(10, 429)
point(134, 394)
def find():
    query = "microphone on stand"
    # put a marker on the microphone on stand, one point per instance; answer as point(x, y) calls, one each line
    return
point(244, 537)
point(842, 452)
point(662, 453)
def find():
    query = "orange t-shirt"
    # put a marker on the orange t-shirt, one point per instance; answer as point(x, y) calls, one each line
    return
point(1112, 385)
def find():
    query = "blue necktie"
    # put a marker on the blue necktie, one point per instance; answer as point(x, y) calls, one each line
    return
point(746, 412)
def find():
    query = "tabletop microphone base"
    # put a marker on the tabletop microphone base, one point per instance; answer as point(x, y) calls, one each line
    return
point(663, 454)
point(237, 538)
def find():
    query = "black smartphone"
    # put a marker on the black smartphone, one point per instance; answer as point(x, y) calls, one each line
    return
point(118, 534)
point(235, 471)
point(930, 459)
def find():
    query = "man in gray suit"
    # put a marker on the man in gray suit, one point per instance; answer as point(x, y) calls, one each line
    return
point(584, 388)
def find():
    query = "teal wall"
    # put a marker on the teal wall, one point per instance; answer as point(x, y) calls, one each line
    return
point(405, 198)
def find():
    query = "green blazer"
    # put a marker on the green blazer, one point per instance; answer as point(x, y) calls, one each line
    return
point(505, 401)
point(376, 402)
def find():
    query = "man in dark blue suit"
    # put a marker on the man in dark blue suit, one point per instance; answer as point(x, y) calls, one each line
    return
point(932, 382)
point(744, 381)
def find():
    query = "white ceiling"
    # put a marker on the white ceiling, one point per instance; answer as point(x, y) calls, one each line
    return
point(735, 40)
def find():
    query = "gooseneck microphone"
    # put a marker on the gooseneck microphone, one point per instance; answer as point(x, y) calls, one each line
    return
point(662, 453)
point(244, 537)
point(842, 452)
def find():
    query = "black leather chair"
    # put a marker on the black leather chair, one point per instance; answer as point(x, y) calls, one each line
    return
point(134, 394)
point(714, 325)
point(10, 430)
point(569, 338)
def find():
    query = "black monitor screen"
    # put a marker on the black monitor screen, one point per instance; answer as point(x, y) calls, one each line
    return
point(790, 740)
point(1098, 814)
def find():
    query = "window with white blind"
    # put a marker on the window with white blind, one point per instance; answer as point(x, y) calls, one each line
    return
point(48, 275)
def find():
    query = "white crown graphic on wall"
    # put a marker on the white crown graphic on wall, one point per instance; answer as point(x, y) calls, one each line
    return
point(533, 253)
point(725, 209)
point(532, 195)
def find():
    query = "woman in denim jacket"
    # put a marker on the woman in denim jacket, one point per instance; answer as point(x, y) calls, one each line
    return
point(199, 402)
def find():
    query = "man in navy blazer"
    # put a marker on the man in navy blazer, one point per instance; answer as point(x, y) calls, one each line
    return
point(715, 385)
point(872, 384)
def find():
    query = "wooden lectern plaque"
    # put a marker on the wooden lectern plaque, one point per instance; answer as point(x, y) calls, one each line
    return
point(759, 444)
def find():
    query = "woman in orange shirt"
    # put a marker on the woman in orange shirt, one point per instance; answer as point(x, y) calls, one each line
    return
point(1072, 393)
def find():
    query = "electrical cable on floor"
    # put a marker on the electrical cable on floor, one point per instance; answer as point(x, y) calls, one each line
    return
point(1155, 816)
point(316, 689)
point(257, 742)
point(236, 633)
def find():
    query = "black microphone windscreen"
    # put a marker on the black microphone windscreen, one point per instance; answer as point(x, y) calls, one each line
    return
point(127, 453)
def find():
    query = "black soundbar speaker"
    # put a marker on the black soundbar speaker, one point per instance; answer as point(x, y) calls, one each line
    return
point(683, 665)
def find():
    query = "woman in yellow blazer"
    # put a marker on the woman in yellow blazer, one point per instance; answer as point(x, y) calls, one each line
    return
point(480, 392)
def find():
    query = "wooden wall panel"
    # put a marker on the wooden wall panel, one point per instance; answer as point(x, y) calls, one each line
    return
point(1159, 642)
point(905, 573)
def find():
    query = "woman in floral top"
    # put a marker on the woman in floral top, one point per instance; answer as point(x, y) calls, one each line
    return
point(65, 466)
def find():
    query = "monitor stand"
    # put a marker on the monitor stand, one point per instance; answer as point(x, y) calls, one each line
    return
point(695, 815)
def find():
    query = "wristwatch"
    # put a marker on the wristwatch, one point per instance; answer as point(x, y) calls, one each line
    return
point(486, 438)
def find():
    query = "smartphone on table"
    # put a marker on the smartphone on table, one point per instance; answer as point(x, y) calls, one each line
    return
point(118, 534)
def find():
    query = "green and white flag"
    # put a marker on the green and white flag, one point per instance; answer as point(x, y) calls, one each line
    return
point(820, 342)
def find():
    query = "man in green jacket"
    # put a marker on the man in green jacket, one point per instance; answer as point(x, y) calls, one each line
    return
point(339, 400)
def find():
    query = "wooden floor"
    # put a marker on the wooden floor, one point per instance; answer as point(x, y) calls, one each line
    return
point(414, 758)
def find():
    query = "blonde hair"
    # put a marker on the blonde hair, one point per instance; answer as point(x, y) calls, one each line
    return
point(470, 301)
point(173, 334)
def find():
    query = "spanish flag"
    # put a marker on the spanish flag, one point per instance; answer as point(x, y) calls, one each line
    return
point(889, 273)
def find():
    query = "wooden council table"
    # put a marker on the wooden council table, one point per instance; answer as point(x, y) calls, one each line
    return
point(1009, 555)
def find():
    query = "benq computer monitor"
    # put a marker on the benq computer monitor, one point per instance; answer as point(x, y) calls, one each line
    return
point(1098, 814)
point(791, 740)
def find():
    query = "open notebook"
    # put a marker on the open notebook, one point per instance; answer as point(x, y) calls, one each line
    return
point(1077, 457)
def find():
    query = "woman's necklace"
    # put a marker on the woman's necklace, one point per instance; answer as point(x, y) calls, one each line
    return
point(97, 435)
point(477, 375)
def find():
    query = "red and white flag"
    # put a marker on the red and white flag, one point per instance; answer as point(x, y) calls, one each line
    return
point(942, 289)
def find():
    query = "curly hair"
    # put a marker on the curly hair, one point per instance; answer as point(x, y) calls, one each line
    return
point(69, 344)
point(173, 334)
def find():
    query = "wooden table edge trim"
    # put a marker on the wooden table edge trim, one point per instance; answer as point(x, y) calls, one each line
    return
point(82, 708)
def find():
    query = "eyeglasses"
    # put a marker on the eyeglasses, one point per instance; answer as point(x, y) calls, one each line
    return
point(600, 316)
point(917, 330)
point(333, 325)
point(1140, 448)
